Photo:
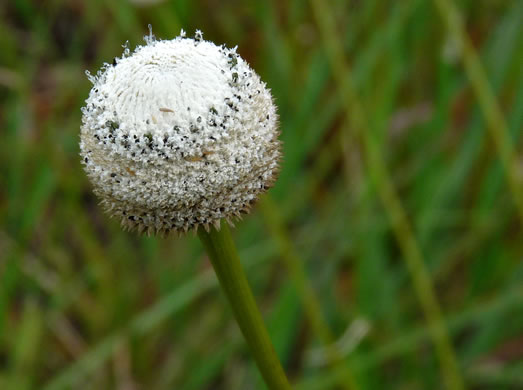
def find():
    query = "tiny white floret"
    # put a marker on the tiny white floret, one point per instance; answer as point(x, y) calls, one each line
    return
point(179, 134)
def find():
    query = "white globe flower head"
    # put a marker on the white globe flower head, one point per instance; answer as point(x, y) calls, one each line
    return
point(179, 134)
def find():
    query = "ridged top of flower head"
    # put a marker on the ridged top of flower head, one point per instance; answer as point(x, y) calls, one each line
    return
point(180, 133)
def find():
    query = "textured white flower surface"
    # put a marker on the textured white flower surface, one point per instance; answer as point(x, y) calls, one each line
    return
point(179, 134)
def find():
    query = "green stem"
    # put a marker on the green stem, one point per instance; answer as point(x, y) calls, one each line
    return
point(228, 268)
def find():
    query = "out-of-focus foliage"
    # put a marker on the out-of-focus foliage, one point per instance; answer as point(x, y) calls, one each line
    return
point(85, 305)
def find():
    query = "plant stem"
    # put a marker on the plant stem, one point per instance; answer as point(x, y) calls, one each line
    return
point(224, 258)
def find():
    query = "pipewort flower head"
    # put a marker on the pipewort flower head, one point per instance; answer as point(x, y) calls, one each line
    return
point(179, 134)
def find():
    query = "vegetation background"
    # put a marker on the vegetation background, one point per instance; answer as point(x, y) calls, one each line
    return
point(396, 224)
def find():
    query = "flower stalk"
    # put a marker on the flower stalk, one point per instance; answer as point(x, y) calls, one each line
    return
point(224, 258)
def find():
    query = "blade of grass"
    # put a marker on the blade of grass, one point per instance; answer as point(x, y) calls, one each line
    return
point(296, 269)
point(145, 322)
point(487, 101)
point(26, 346)
point(511, 300)
point(398, 218)
point(315, 127)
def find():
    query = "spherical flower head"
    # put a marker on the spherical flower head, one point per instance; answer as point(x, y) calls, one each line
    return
point(180, 133)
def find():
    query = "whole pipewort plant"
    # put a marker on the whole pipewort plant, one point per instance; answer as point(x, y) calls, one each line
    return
point(181, 135)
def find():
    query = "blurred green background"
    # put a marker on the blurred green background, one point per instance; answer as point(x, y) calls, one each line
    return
point(398, 208)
